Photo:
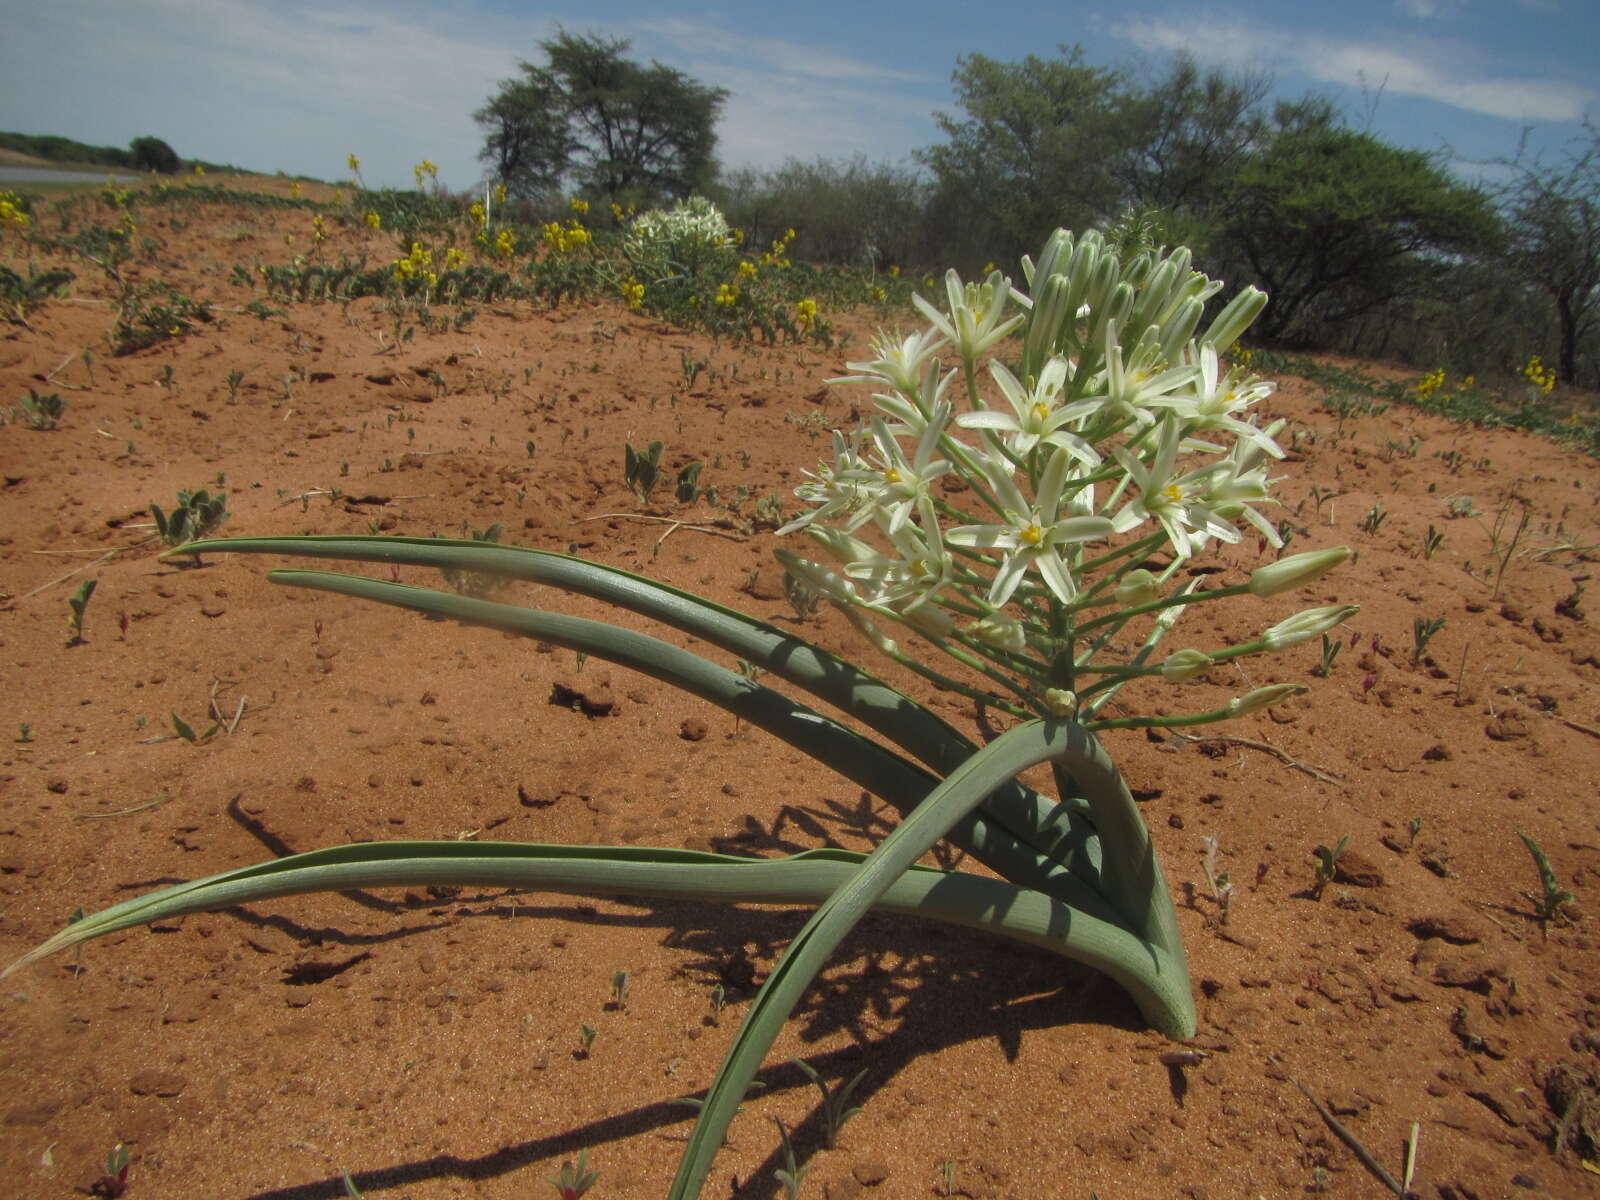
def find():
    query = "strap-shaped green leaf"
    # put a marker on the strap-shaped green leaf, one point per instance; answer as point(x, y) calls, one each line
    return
point(957, 898)
point(1015, 750)
point(1015, 813)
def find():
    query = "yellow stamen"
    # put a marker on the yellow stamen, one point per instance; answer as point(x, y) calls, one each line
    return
point(1172, 493)
point(1032, 534)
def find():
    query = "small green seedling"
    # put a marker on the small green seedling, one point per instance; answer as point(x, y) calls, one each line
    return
point(197, 514)
point(1373, 521)
point(791, 1174)
point(1422, 631)
point(1330, 651)
point(719, 997)
point(186, 731)
point(76, 604)
point(1431, 542)
point(235, 378)
point(947, 1178)
point(114, 1182)
point(1414, 827)
point(42, 412)
point(1327, 864)
point(575, 1179)
point(350, 1189)
point(586, 1036)
point(1553, 904)
point(836, 1108)
point(687, 490)
point(619, 990)
point(1219, 882)
point(641, 469)
point(24, 732)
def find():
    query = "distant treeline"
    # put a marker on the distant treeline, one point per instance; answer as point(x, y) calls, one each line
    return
point(1364, 246)
point(141, 154)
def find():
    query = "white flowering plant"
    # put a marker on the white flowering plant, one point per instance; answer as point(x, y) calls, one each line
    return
point(1028, 528)
point(661, 243)
point(1023, 541)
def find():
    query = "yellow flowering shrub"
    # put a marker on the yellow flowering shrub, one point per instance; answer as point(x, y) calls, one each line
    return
point(1541, 376)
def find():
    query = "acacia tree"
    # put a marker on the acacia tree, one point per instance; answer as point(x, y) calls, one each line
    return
point(1032, 153)
point(153, 154)
point(1334, 223)
point(528, 141)
point(620, 130)
point(1554, 219)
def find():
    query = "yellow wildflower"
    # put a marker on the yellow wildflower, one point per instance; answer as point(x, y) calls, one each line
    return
point(579, 206)
point(747, 270)
point(425, 169)
point(294, 189)
point(1541, 376)
point(633, 293)
point(805, 313)
point(499, 193)
point(505, 245)
point(374, 221)
point(726, 296)
point(354, 164)
point(454, 259)
point(11, 214)
point(479, 216)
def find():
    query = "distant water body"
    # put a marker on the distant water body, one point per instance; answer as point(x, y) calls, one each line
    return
point(10, 174)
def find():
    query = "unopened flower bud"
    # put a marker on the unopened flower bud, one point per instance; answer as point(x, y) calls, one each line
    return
point(1000, 631)
point(1137, 587)
point(1185, 665)
point(1061, 702)
point(1264, 697)
point(1296, 571)
point(927, 619)
point(1311, 623)
point(884, 644)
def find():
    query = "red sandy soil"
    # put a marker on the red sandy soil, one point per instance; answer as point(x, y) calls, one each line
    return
point(427, 1042)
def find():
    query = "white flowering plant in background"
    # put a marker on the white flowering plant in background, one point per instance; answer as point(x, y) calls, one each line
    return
point(1026, 510)
point(681, 240)
point(1029, 519)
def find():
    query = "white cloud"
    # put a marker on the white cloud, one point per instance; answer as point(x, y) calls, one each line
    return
point(1434, 70)
point(1425, 10)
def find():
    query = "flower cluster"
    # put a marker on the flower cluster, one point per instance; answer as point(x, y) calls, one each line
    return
point(12, 213)
point(1429, 384)
point(417, 265)
point(425, 170)
point(683, 231)
point(1119, 444)
point(632, 293)
point(805, 313)
point(777, 255)
point(562, 238)
point(1541, 376)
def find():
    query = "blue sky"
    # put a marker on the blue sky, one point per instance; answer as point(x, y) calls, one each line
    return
point(282, 84)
